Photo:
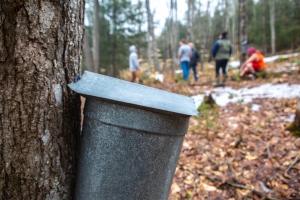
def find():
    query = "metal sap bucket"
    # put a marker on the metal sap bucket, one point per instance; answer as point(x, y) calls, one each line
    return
point(131, 140)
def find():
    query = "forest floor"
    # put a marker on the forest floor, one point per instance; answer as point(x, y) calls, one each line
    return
point(241, 149)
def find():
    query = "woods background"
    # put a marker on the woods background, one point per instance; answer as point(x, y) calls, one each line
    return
point(270, 25)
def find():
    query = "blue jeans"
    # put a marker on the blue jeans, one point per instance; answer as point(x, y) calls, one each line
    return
point(185, 66)
point(194, 67)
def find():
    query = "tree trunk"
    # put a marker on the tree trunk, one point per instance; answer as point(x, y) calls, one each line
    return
point(272, 26)
point(151, 31)
point(87, 53)
point(243, 26)
point(190, 20)
point(208, 21)
point(264, 43)
point(40, 53)
point(226, 26)
point(96, 53)
point(149, 54)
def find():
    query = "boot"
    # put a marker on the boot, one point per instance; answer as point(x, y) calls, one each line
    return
point(217, 83)
point(224, 79)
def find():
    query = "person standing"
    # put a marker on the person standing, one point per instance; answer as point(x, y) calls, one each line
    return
point(184, 56)
point(134, 64)
point(221, 52)
point(195, 59)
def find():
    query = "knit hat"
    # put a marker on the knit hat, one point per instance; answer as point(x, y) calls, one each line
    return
point(251, 50)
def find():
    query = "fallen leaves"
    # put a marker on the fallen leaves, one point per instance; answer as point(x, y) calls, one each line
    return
point(234, 152)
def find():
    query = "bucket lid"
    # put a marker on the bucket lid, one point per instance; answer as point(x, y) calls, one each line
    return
point(105, 87)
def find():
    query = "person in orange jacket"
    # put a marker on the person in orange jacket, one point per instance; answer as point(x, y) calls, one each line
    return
point(254, 64)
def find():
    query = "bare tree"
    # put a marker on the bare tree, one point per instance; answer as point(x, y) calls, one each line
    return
point(96, 53)
point(272, 26)
point(151, 31)
point(208, 23)
point(264, 43)
point(190, 20)
point(149, 53)
point(87, 53)
point(243, 36)
point(173, 37)
point(41, 46)
point(227, 16)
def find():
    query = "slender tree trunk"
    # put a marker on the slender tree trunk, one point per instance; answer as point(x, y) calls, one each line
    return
point(227, 17)
point(114, 64)
point(149, 54)
point(243, 26)
point(208, 23)
point(87, 53)
point(151, 31)
point(272, 26)
point(96, 53)
point(190, 13)
point(264, 40)
point(40, 53)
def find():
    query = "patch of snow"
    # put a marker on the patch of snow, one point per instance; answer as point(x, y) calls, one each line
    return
point(198, 99)
point(179, 71)
point(289, 118)
point(255, 107)
point(223, 96)
point(236, 63)
point(159, 77)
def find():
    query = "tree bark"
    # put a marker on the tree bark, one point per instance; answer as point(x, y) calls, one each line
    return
point(40, 53)
point(149, 54)
point(226, 11)
point(190, 20)
point(264, 43)
point(151, 31)
point(87, 53)
point(272, 26)
point(96, 53)
point(243, 27)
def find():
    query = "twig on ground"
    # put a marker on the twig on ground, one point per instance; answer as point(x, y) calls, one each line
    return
point(293, 163)
point(208, 157)
point(240, 186)
point(259, 192)
point(268, 150)
point(238, 142)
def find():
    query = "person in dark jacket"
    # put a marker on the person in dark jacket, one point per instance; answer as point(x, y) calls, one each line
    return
point(221, 51)
point(195, 59)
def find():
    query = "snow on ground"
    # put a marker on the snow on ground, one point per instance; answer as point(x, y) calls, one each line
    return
point(223, 96)
point(236, 64)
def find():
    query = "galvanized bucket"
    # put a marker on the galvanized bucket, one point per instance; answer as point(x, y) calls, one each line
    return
point(131, 140)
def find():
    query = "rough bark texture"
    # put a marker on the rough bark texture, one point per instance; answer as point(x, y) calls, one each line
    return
point(96, 53)
point(243, 26)
point(151, 31)
point(40, 53)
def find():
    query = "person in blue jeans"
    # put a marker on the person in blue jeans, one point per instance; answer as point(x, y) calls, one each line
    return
point(184, 56)
point(195, 59)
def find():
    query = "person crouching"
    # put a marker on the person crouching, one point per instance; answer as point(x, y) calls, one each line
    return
point(255, 63)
